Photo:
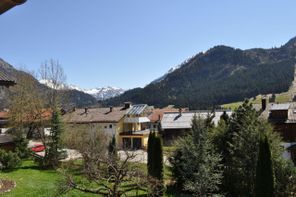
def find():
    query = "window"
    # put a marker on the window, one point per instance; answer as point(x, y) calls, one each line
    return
point(110, 126)
point(105, 127)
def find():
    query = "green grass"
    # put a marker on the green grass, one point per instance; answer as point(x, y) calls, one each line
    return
point(280, 98)
point(32, 181)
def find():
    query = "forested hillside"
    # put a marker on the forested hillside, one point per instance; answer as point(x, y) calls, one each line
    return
point(69, 97)
point(220, 75)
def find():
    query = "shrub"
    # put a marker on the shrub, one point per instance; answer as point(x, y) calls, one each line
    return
point(9, 160)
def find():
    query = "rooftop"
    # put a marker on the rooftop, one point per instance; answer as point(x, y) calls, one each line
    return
point(173, 120)
point(137, 109)
point(95, 115)
point(279, 106)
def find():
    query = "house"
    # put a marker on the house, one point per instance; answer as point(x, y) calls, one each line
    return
point(157, 114)
point(8, 4)
point(283, 118)
point(109, 120)
point(136, 129)
point(178, 124)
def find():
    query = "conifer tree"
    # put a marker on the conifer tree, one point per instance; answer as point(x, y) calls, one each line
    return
point(112, 149)
point(264, 171)
point(54, 145)
point(150, 151)
point(195, 164)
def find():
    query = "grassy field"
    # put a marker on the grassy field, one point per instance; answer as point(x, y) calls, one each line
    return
point(32, 181)
point(280, 98)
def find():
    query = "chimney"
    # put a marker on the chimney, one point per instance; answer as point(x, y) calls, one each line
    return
point(127, 105)
point(180, 111)
point(263, 103)
point(111, 108)
point(86, 110)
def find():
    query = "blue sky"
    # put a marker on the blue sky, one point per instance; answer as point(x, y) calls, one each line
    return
point(128, 43)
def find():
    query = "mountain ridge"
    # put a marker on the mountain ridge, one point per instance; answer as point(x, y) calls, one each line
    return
point(220, 75)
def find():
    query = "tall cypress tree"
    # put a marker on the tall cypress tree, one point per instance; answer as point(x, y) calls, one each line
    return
point(150, 150)
point(264, 171)
point(112, 149)
point(157, 159)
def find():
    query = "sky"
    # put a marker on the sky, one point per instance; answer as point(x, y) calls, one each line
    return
point(129, 43)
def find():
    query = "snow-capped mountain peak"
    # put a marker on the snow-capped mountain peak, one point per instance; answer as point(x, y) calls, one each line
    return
point(101, 93)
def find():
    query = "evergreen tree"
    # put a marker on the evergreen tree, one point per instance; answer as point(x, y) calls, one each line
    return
point(264, 172)
point(150, 151)
point(157, 158)
point(195, 165)
point(54, 145)
point(112, 149)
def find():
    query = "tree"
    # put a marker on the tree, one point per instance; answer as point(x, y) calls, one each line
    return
point(264, 171)
point(195, 165)
point(109, 175)
point(150, 151)
point(112, 149)
point(240, 157)
point(53, 74)
point(25, 112)
point(52, 152)
point(238, 143)
point(155, 160)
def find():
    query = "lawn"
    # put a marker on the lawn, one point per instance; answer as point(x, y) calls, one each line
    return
point(31, 181)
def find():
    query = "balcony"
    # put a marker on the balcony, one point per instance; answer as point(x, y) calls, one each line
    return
point(135, 133)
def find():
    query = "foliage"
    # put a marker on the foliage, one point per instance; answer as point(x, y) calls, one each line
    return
point(238, 142)
point(112, 149)
point(195, 165)
point(264, 171)
point(9, 160)
point(155, 160)
point(53, 145)
point(221, 75)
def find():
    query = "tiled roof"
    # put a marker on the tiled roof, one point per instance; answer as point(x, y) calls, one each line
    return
point(95, 115)
point(173, 120)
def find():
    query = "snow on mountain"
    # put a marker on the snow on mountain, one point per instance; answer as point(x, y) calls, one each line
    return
point(104, 92)
point(170, 71)
point(99, 93)
point(52, 85)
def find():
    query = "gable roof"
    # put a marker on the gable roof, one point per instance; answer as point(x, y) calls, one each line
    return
point(95, 115)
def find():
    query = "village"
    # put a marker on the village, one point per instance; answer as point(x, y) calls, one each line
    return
point(222, 123)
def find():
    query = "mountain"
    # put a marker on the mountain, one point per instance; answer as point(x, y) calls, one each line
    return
point(220, 75)
point(99, 93)
point(104, 93)
point(70, 97)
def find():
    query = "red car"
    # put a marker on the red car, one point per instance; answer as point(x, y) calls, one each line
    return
point(38, 148)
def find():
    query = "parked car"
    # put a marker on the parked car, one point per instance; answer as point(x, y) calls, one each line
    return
point(38, 148)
